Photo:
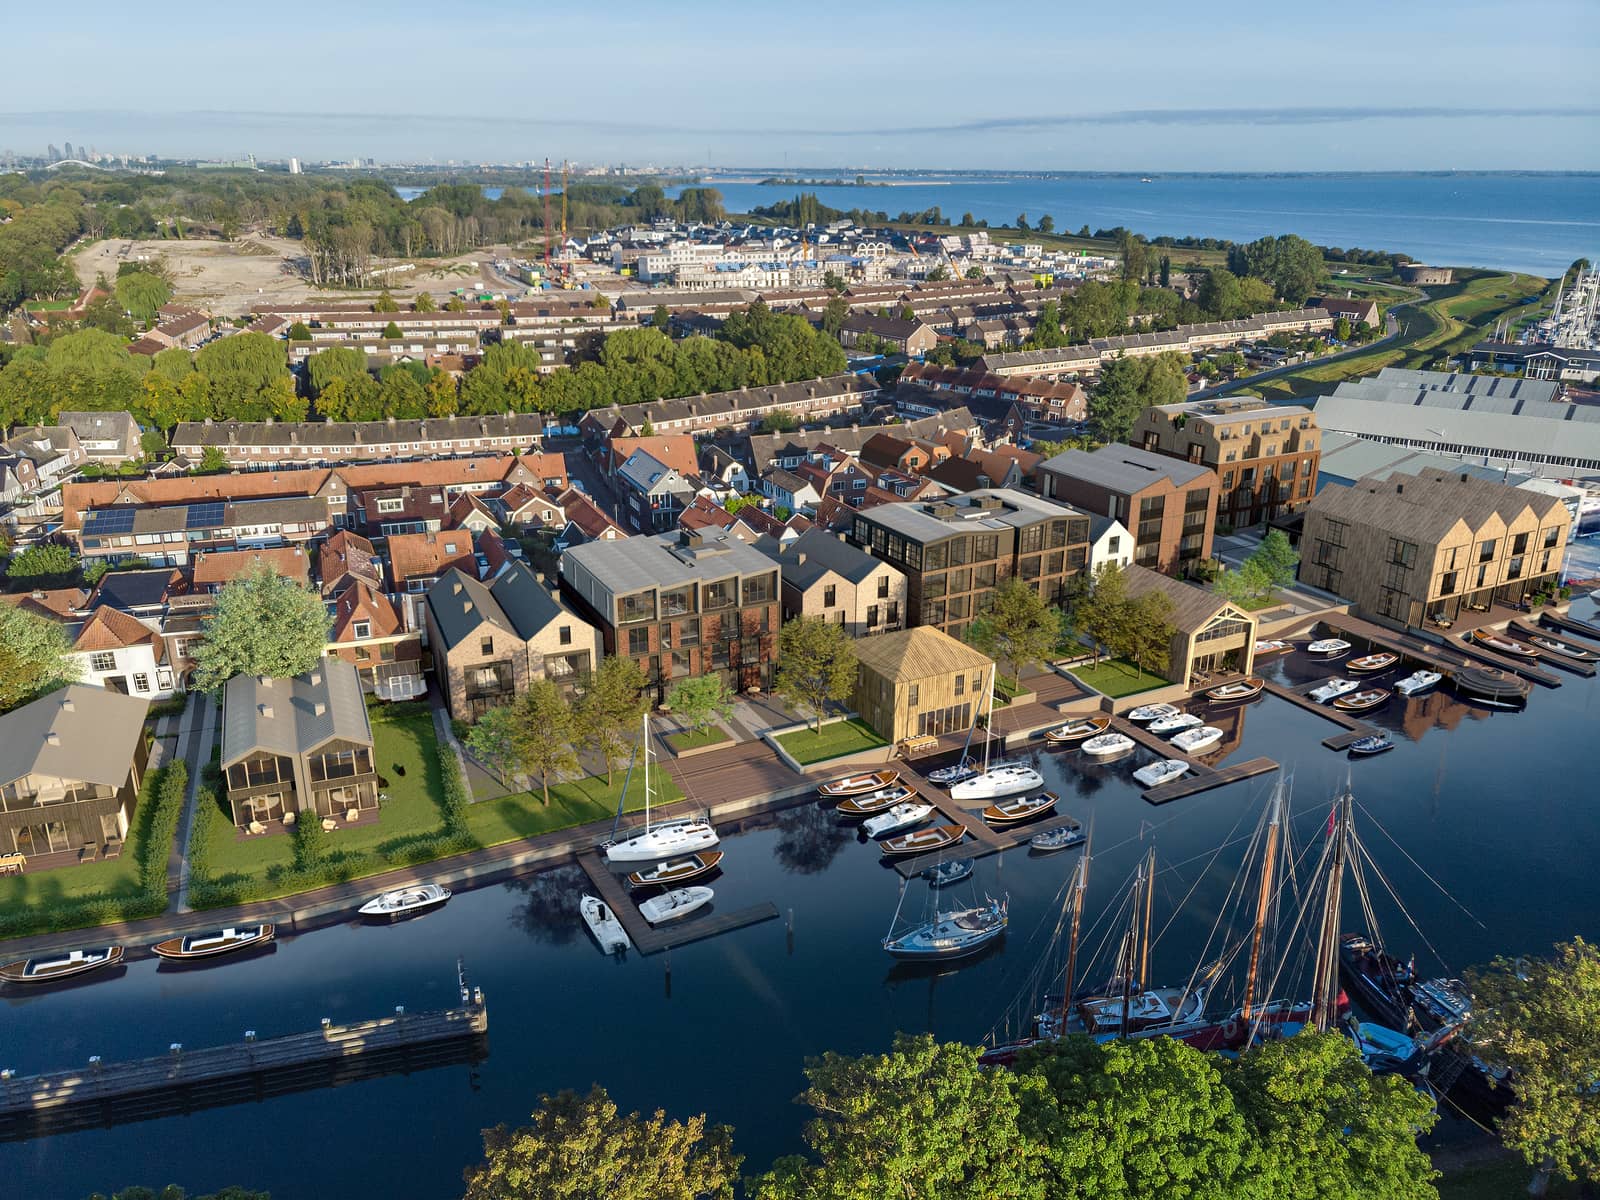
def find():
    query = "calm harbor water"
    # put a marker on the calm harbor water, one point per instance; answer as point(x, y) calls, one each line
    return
point(1496, 806)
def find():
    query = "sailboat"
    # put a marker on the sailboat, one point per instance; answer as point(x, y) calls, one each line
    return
point(669, 839)
point(953, 933)
point(1000, 779)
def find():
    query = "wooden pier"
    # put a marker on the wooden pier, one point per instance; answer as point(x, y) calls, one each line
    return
point(1570, 624)
point(1554, 657)
point(1194, 782)
point(982, 838)
point(1447, 658)
point(185, 1080)
point(645, 937)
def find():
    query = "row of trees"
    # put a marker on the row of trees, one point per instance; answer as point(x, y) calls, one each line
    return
point(1135, 628)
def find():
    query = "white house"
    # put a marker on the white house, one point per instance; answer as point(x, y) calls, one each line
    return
point(789, 490)
point(1109, 542)
point(123, 654)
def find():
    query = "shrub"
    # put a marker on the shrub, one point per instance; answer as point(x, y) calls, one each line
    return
point(310, 843)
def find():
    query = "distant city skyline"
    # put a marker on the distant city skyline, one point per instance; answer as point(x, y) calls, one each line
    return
point(1253, 87)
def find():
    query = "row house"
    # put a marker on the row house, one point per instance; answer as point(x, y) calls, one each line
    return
point(653, 494)
point(681, 605)
point(1170, 504)
point(789, 489)
point(212, 570)
point(789, 450)
point(172, 534)
point(806, 400)
point(529, 508)
point(271, 443)
point(368, 632)
point(911, 455)
point(53, 451)
point(913, 337)
point(109, 437)
point(827, 579)
point(1040, 398)
point(586, 521)
point(418, 560)
point(381, 352)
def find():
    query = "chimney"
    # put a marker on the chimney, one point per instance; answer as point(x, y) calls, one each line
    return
point(455, 588)
point(466, 606)
point(67, 705)
point(1399, 489)
point(316, 679)
point(319, 708)
point(52, 738)
point(265, 710)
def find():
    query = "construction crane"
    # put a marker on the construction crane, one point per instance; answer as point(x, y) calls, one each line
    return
point(547, 218)
point(566, 267)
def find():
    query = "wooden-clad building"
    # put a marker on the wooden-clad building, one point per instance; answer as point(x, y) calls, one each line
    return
point(919, 682)
point(1210, 635)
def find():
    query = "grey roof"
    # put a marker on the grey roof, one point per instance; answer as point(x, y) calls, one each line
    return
point(736, 407)
point(1347, 458)
point(80, 732)
point(1125, 469)
point(515, 601)
point(293, 716)
point(1455, 381)
point(930, 520)
point(128, 590)
point(1175, 339)
point(631, 564)
point(649, 474)
point(813, 554)
point(100, 426)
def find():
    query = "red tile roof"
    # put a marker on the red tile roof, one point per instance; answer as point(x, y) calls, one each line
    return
point(424, 555)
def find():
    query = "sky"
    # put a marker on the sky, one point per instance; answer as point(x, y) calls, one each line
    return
point(1414, 84)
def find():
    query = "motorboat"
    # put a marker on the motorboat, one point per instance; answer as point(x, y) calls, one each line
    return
point(1002, 779)
point(1242, 689)
point(923, 841)
point(215, 942)
point(1363, 701)
point(1192, 741)
point(1271, 647)
point(1417, 682)
point(1176, 723)
point(1328, 647)
point(406, 901)
point(1151, 712)
point(1059, 837)
point(1502, 645)
point(948, 935)
point(1375, 743)
point(669, 839)
point(946, 873)
point(1108, 744)
point(955, 773)
point(676, 870)
point(1332, 689)
point(65, 964)
point(901, 816)
point(1556, 646)
point(874, 802)
point(1487, 685)
point(859, 785)
point(675, 905)
point(1023, 808)
point(1163, 770)
point(1368, 663)
point(1384, 1049)
point(1076, 731)
point(603, 923)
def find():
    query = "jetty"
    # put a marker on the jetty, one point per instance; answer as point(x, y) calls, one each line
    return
point(1578, 666)
point(105, 1093)
point(648, 939)
point(1448, 658)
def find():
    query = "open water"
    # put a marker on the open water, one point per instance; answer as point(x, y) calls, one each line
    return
point(1497, 807)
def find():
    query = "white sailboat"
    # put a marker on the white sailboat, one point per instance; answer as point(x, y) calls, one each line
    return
point(947, 934)
point(1000, 779)
point(666, 840)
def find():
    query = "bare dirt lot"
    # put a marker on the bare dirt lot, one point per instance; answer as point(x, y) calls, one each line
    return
point(231, 278)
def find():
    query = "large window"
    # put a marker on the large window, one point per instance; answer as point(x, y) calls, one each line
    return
point(1486, 549)
point(641, 606)
point(717, 595)
point(1402, 553)
point(638, 641)
point(677, 602)
point(759, 590)
point(106, 660)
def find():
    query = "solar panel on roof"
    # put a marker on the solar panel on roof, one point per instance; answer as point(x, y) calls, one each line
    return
point(109, 520)
point(204, 516)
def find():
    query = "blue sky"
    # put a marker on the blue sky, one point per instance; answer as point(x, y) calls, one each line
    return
point(1190, 86)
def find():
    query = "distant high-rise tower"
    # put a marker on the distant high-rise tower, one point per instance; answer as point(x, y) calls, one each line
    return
point(51, 153)
point(294, 166)
point(68, 148)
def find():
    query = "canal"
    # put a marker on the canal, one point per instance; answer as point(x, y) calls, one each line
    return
point(1497, 807)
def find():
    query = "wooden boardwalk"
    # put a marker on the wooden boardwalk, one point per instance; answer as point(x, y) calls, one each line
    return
point(1570, 624)
point(1567, 636)
point(1212, 777)
point(1554, 657)
point(1447, 658)
point(646, 938)
point(252, 1068)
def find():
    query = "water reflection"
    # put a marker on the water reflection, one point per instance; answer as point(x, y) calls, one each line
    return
point(548, 910)
point(809, 836)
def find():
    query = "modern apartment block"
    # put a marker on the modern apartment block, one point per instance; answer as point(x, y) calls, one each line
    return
point(1265, 455)
point(1415, 548)
point(1170, 505)
point(956, 550)
point(689, 603)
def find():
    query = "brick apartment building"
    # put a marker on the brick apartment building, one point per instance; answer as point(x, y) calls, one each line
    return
point(1169, 504)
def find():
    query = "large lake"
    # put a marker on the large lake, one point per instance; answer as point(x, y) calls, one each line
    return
point(1497, 807)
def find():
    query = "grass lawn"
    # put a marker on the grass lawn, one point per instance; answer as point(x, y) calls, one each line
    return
point(1118, 677)
point(693, 740)
point(576, 803)
point(842, 737)
point(118, 878)
point(1260, 602)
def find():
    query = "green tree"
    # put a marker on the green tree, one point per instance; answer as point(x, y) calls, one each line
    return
point(142, 294)
point(1147, 633)
point(1116, 402)
point(391, 331)
point(582, 1148)
point(923, 1121)
point(35, 657)
point(1276, 558)
point(350, 398)
point(833, 281)
point(609, 712)
point(546, 730)
point(212, 462)
point(424, 303)
point(1047, 224)
point(455, 304)
point(1016, 625)
point(1341, 329)
point(701, 701)
point(1220, 295)
point(505, 380)
point(1541, 1018)
point(1245, 585)
point(1022, 222)
point(834, 316)
point(248, 378)
point(41, 565)
point(299, 332)
point(495, 739)
point(264, 624)
point(1103, 613)
point(816, 664)
point(336, 362)
point(385, 303)
point(779, 421)
point(661, 318)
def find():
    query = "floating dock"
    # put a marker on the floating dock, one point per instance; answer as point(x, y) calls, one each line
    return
point(1212, 777)
point(1447, 658)
point(646, 938)
point(1555, 658)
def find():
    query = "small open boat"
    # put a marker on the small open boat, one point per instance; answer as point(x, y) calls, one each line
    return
point(215, 942)
point(1192, 741)
point(1375, 743)
point(859, 785)
point(1151, 712)
point(955, 772)
point(1328, 647)
point(1332, 689)
point(1272, 647)
point(1076, 731)
point(946, 873)
point(1163, 770)
point(1176, 723)
point(1556, 646)
point(65, 964)
point(1242, 689)
point(1108, 744)
point(923, 841)
point(1059, 838)
point(603, 923)
point(406, 902)
point(901, 816)
point(1362, 701)
point(677, 870)
point(874, 802)
point(675, 905)
point(1502, 645)
point(1417, 682)
point(1368, 663)
point(1023, 808)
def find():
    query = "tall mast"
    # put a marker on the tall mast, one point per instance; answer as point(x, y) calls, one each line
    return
point(547, 220)
point(645, 722)
point(564, 217)
point(988, 730)
point(1269, 860)
point(1079, 887)
point(1149, 907)
point(1127, 975)
point(1325, 988)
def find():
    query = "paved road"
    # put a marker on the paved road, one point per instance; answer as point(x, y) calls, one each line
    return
point(196, 734)
point(1392, 331)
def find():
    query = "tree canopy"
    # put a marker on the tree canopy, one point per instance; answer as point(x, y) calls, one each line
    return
point(1016, 625)
point(35, 657)
point(264, 624)
point(816, 664)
